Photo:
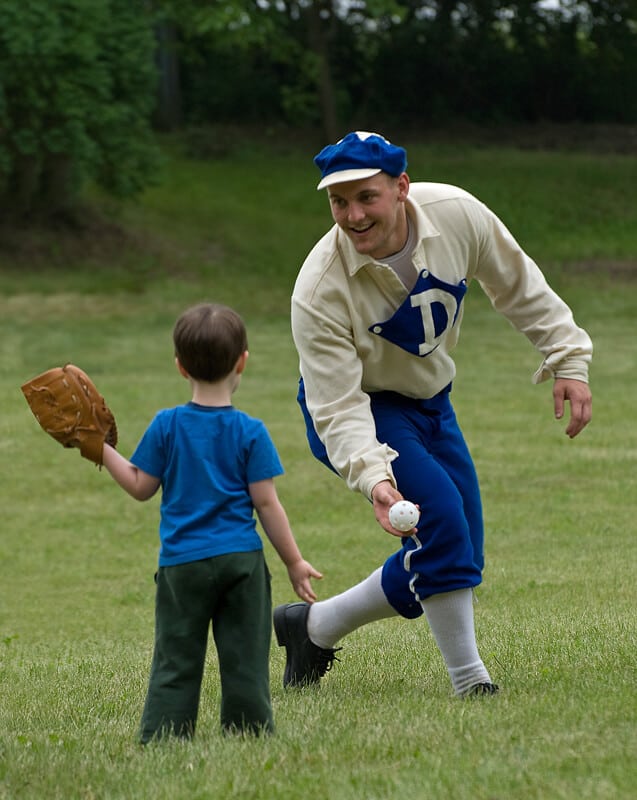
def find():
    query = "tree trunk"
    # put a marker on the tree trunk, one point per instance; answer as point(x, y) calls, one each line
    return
point(320, 47)
point(57, 193)
point(22, 187)
point(169, 112)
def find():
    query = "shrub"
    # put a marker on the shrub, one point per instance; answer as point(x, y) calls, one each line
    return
point(77, 84)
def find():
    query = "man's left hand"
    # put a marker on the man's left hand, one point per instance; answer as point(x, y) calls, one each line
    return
point(579, 396)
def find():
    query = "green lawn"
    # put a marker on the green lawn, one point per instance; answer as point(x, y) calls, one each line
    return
point(556, 615)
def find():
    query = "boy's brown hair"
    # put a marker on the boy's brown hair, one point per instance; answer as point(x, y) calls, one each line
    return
point(208, 339)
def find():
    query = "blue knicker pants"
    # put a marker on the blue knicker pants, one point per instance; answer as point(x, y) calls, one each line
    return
point(434, 470)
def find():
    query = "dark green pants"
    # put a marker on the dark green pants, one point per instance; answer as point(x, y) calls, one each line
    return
point(231, 592)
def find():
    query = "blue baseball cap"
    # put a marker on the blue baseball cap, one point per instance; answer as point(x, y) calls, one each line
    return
point(359, 155)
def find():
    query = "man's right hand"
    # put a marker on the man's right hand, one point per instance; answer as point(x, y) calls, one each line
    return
point(384, 495)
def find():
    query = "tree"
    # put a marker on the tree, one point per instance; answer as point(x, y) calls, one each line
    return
point(335, 64)
point(76, 95)
point(282, 58)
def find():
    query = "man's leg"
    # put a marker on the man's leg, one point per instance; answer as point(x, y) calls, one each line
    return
point(450, 617)
point(332, 619)
point(309, 632)
point(440, 565)
point(453, 558)
point(315, 630)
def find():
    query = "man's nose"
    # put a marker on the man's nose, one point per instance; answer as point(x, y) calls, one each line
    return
point(355, 212)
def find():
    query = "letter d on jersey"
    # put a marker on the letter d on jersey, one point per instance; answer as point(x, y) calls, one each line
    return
point(425, 317)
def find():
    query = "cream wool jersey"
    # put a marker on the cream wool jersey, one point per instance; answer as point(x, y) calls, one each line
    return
point(358, 329)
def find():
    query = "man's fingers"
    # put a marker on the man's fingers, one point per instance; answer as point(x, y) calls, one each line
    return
point(581, 413)
point(578, 395)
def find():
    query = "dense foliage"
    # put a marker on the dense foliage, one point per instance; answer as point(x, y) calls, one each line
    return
point(411, 61)
point(77, 89)
point(82, 82)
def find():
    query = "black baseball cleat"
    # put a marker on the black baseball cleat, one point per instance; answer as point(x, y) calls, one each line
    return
point(482, 689)
point(306, 662)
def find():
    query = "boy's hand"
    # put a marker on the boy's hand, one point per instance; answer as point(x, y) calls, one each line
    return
point(300, 574)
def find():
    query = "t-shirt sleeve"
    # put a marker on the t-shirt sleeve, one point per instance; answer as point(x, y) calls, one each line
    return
point(149, 454)
point(263, 460)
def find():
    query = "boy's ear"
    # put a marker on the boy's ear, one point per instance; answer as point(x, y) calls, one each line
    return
point(241, 362)
point(180, 369)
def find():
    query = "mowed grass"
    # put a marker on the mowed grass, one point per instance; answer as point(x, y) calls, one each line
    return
point(556, 613)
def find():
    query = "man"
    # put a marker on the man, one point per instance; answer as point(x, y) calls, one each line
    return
point(376, 312)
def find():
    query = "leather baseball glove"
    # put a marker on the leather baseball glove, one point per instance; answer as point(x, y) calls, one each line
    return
point(69, 408)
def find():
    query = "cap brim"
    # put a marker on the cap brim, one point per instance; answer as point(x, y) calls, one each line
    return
point(346, 175)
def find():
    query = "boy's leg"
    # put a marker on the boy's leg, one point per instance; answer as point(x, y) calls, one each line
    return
point(242, 629)
point(182, 617)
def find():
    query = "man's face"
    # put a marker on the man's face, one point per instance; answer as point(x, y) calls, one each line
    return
point(372, 213)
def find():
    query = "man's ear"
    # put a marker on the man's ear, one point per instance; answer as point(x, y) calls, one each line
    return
point(403, 187)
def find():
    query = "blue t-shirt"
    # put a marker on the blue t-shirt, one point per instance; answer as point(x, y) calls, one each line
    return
point(205, 457)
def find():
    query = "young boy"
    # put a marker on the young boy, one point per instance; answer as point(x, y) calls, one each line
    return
point(215, 465)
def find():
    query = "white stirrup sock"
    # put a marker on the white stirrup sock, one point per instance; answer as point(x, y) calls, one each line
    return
point(450, 617)
point(329, 620)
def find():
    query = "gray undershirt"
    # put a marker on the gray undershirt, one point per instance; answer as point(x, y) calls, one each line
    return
point(401, 262)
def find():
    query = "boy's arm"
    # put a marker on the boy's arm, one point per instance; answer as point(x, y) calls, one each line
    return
point(137, 483)
point(277, 528)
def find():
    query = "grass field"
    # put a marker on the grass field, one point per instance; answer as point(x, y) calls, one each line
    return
point(556, 615)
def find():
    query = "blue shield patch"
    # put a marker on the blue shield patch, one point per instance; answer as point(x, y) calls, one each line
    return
point(424, 318)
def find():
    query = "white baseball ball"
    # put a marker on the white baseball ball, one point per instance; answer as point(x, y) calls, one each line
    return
point(404, 515)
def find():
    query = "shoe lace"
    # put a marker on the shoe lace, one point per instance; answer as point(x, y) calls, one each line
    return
point(325, 658)
point(482, 688)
